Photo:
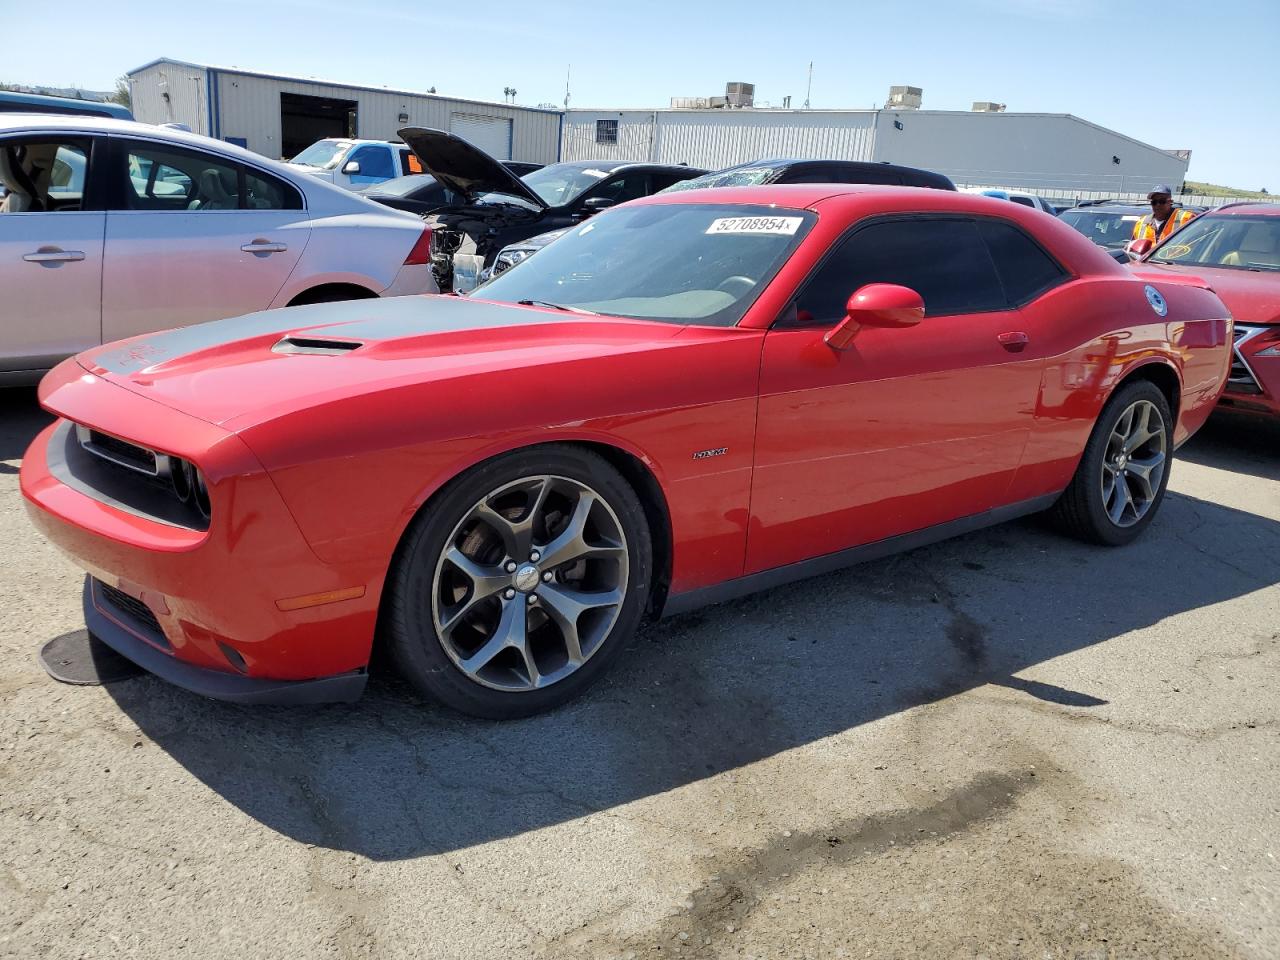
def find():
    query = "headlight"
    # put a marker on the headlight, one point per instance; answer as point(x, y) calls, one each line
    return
point(509, 258)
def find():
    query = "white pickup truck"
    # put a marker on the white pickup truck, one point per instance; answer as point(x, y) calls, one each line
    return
point(354, 164)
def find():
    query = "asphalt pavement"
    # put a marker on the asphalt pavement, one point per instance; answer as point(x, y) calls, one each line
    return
point(1006, 745)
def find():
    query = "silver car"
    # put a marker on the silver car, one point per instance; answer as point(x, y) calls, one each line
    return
point(110, 228)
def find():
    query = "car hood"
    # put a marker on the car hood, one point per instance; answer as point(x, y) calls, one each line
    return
point(246, 370)
point(463, 168)
point(1252, 296)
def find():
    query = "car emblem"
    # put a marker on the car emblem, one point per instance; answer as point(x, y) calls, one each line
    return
point(526, 578)
point(1157, 301)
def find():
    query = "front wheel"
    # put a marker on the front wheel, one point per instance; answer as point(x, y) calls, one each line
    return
point(517, 587)
point(1120, 482)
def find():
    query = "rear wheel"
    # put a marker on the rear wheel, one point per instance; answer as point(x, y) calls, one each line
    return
point(1120, 482)
point(519, 585)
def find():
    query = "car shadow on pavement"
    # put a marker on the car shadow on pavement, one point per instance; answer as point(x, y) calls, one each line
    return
point(20, 420)
point(1239, 443)
point(391, 777)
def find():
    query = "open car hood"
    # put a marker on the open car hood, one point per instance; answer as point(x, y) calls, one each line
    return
point(463, 168)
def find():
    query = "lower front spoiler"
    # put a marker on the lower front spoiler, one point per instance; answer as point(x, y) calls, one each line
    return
point(342, 688)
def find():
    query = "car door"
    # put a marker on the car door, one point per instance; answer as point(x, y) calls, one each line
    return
point(193, 236)
point(51, 230)
point(908, 427)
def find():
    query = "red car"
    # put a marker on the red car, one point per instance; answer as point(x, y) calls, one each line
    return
point(687, 398)
point(1237, 250)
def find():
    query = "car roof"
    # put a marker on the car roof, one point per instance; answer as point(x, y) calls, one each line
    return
point(613, 166)
point(70, 123)
point(1248, 208)
point(859, 200)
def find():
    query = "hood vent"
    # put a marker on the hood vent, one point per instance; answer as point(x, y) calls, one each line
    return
point(317, 346)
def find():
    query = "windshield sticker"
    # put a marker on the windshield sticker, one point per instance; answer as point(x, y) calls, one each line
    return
point(782, 226)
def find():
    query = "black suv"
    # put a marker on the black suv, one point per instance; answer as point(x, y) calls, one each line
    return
point(759, 172)
point(494, 207)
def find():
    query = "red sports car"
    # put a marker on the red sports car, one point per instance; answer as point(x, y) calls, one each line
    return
point(686, 398)
point(1237, 249)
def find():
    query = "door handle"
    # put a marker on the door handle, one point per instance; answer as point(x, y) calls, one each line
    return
point(1013, 340)
point(53, 255)
point(264, 246)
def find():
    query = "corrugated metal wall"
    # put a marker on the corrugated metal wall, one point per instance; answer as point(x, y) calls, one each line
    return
point(249, 107)
point(719, 138)
point(1039, 152)
point(188, 95)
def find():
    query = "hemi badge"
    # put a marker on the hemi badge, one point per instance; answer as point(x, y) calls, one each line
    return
point(717, 452)
point(319, 599)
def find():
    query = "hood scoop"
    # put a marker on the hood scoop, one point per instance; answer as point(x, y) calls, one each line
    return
point(316, 346)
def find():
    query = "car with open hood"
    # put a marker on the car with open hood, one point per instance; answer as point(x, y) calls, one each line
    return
point(495, 207)
point(685, 399)
point(1236, 248)
point(422, 193)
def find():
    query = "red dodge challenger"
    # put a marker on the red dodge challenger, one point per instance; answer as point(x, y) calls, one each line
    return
point(684, 399)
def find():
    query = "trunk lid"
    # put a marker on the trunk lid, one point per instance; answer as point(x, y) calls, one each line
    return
point(1252, 296)
point(463, 168)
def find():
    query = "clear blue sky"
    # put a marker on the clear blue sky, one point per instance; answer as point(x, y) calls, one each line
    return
point(1176, 74)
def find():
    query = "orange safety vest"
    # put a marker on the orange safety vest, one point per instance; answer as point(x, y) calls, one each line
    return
point(1145, 229)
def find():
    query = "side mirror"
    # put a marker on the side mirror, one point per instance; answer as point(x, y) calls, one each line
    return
point(595, 205)
point(876, 305)
point(351, 167)
point(1139, 248)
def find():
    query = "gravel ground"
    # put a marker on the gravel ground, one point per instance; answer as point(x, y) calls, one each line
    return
point(1006, 745)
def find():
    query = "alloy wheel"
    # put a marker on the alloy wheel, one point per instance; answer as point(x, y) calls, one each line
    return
point(1134, 463)
point(530, 583)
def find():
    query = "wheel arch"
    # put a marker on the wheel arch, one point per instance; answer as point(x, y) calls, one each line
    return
point(1164, 376)
point(329, 292)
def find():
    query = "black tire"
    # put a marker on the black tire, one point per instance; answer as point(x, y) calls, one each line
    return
point(409, 616)
point(1081, 511)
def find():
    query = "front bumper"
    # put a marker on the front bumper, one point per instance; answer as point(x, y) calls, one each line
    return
point(1254, 383)
point(135, 640)
point(242, 610)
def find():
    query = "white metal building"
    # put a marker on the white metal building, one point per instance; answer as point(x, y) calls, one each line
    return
point(1044, 152)
point(279, 115)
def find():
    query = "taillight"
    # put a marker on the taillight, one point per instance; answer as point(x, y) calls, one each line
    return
point(421, 252)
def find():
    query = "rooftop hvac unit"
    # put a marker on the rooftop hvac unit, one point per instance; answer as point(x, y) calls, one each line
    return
point(904, 98)
point(986, 106)
point(740, 94)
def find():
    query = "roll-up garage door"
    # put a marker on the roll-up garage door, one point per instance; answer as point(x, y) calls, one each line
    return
point(490, 134)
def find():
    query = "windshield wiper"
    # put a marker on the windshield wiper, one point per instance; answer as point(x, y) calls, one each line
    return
point(556, 306)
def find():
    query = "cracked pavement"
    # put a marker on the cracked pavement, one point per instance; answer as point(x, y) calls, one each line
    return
point(1005, 745)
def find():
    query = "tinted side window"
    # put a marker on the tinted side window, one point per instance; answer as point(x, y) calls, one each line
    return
point(264, 192)
point(1023, 266)
point(629, 186)
point(1025, 201)
point(159, 177)
point(374, 162)
point(945, 261)
point(811, 175)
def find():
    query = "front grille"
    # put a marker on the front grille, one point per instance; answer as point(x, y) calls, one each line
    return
point(138, 611)
point(118, 451)
point(1241, 378)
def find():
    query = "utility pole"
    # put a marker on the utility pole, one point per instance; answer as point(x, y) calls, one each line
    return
point(809, 87)
point(567, 71)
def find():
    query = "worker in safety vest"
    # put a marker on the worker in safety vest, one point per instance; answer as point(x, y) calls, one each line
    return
point(1165, 216)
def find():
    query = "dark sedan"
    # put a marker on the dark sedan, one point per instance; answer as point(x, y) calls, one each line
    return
point(422, 193)
point(495, 208)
